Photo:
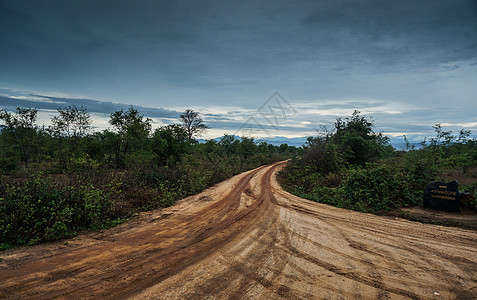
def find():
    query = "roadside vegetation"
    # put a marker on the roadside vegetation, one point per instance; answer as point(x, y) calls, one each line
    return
point(351, 166)
point(56, 181)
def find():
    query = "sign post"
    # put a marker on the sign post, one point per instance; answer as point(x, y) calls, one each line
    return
point(442, 196)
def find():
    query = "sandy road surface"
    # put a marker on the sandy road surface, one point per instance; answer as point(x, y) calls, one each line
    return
point(247, 238)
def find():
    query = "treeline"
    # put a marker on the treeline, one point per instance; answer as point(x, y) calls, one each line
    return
point(58, 180)
point(351, 166)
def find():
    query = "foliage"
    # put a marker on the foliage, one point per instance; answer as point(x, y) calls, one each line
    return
point(352, 142)
point(324, 157)
point(373, 189)
point(20, 137)
point(357, 141)
point(170, 143)
point(38, 210)
point(132, 131)
point(72, 122)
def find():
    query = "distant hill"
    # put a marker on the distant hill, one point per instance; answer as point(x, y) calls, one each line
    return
point(397, 143)
point(402, 146)
point(277, 140)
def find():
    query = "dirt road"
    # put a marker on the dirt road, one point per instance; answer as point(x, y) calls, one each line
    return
point(247, 238)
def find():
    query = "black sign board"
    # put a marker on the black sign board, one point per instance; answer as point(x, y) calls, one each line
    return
point(442, 196)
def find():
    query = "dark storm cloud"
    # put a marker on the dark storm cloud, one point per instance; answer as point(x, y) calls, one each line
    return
point(107, 40)
point(406, 55)
point(207, 43)
point(400, 31)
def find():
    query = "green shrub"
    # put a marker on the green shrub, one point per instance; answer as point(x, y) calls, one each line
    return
point(37, 210)
point(82, 164)
point(372, 189)
point(324, 157)
point(8, 165)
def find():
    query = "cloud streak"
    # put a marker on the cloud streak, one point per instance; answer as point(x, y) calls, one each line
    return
point(94, 106)
point(306, 120)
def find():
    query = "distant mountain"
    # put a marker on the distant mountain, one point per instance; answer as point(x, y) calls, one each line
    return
point(402, 146)
point(397, 143)
point(276, 140)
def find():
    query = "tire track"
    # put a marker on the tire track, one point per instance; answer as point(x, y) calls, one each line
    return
point(445, 275)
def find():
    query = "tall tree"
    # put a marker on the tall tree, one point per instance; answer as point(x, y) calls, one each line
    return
point(132, 130)
point(21, 132)
point(70, 127)
point(193, 123)
point(357, 140)
point(72, 121)
point(170, 143)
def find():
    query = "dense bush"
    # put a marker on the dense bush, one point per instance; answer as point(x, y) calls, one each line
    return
point(375, 188)
point(370, 188)
point(38, 210)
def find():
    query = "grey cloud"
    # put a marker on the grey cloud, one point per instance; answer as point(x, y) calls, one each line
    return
point(209, 118)
point(349, 105)
point(394, 32)
point(446, 114)
point(210, 53)
point(93, 106)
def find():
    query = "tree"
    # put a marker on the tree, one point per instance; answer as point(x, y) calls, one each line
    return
point(446, 138)
point(229, 145)
point(248, 146)
point(170, 143)
point(357, 141)
point(132, 130)
point(70, 127)
point(73, 122)
point(442, 137)
point(463, 135)
point(21, 132)
point(353, 142)
point(193, 123)
point(131, 125)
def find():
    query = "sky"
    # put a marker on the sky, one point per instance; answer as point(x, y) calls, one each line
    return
point(262, 68)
